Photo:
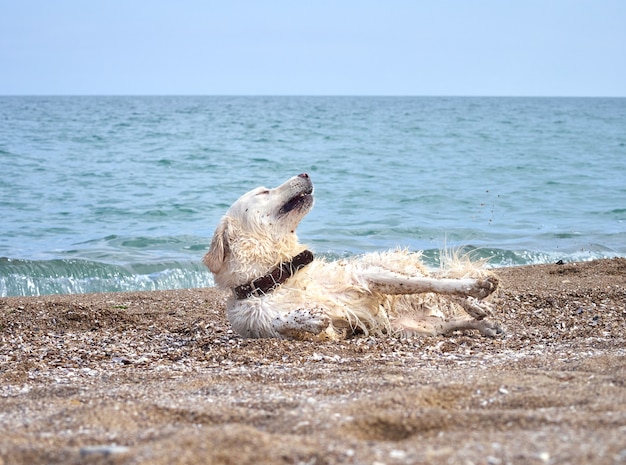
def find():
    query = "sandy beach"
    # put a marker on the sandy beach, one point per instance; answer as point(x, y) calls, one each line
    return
point(159, 378)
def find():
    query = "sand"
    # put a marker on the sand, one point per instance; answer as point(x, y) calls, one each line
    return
point(159, 378)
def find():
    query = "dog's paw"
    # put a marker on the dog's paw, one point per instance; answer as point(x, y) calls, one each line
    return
point(490, 328)
point(308, 320)
point(311, 320)
point(485, 287)
point(478, 309)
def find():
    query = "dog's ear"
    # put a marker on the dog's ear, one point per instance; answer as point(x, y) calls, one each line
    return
point(216, 255)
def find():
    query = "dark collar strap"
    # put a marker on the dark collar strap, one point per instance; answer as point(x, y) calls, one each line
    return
point(274, 278)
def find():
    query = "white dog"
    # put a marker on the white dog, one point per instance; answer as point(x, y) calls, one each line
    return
point(280, 290)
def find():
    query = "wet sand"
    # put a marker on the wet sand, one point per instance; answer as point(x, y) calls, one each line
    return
point(159, 378)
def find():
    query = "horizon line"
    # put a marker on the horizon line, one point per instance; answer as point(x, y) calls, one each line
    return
point(303, 95)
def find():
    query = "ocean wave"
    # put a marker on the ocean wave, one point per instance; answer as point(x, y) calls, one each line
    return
point(500, 258)
point(74, 276)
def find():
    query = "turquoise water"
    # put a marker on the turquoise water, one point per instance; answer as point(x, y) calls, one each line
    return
point(122, 193)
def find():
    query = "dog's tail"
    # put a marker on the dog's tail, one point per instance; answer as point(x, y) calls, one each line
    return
point(458, 264)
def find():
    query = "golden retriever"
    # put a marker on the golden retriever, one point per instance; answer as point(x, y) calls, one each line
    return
point(280, 290)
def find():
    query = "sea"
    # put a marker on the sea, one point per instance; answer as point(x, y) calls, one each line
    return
point(106, 193)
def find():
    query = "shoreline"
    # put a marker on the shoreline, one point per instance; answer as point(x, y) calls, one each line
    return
point(159, 377)
point(63, 281)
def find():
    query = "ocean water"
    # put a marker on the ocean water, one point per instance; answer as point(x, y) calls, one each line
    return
point(123, 193)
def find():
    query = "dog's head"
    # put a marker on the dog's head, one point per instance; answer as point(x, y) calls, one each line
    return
point(258, 231)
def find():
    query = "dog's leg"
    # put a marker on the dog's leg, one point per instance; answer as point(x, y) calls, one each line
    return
point(293, 324)
point(388, 282)
point(486, 327)
point(476, 308)
point(434, 326)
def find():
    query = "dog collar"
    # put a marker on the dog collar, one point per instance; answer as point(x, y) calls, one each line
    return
point(274, 278)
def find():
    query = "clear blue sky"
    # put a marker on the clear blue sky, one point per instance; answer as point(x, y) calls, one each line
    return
point(313, 47)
